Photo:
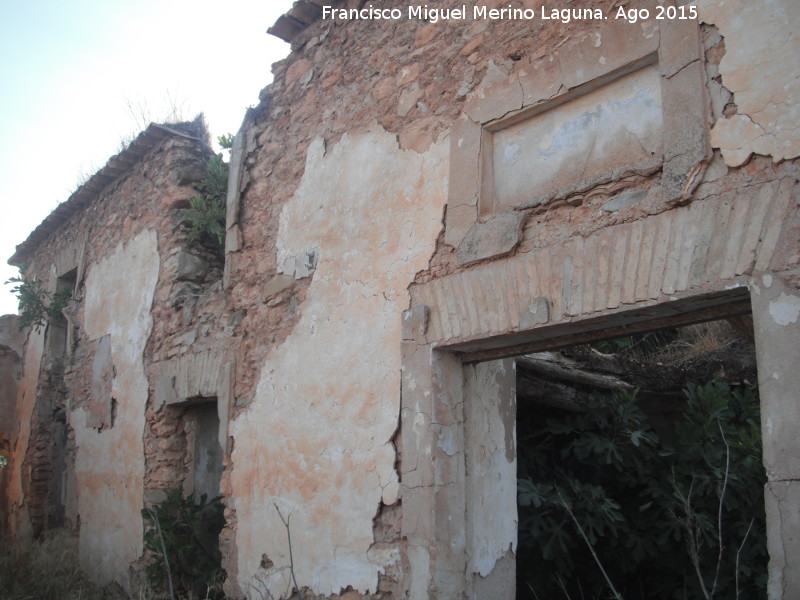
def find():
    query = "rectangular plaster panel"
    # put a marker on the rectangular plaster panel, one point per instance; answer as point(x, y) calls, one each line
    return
point(100, 401)
point(616, 125)
point(317, 439)
point(109, 464)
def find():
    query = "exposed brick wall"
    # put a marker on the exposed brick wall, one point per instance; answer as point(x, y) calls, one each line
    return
point(150, 195)
point(411, 78)
point(589, 250)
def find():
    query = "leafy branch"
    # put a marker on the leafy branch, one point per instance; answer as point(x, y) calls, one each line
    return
point(37, 306)
point(207, 208)
point(183, 541)
point(655, 513)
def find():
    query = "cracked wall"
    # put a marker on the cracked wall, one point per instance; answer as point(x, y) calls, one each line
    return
point(776, 317)
point(765, 89)
point(491, 455)
point(579, 140)
point(317, 439)
point(366, 138)
point(79, 458)
point(19, 524)
point(109, 462)
point(11, 352)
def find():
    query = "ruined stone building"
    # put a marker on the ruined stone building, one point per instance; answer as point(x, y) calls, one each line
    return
point(410, 205)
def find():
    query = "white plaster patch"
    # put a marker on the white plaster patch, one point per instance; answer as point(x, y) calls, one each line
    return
point(374, 212)
point(109, 465)
point(491, 484)
point(447, 441)
point(761, 67)
point(785, 310)
point(767, 280)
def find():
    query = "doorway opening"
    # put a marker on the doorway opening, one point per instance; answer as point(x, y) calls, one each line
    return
point(639, 470)
point(183, 527)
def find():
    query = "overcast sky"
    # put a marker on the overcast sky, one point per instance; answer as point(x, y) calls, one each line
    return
point(68, 71)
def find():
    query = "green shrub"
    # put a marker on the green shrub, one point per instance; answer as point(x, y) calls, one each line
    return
point(206, 212)
point(183, 539)
point(601, 486)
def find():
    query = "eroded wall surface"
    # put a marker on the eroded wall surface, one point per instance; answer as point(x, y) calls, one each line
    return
point(337, 208)
point(317, 439)
point(761, 67)
point(12, 342)
point(19, 521)
point(491, 455)
point(109, 461)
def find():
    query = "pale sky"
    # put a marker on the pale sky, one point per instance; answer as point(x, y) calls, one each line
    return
point(68, 70)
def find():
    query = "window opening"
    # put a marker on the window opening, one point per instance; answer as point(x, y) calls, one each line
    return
point(59, 338)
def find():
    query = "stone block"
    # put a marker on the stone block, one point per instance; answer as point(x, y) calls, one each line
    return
point(301, 71)
point(495, 100)
point(165, 390)
point(624, 199)
point(538, 313)
point(187, 267)
point(776, 321)
point(686, 134)
point(496, 236)
point(415, 323)
point(680, 45)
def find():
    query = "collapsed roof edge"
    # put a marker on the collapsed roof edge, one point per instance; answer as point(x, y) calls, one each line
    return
point(116, 167)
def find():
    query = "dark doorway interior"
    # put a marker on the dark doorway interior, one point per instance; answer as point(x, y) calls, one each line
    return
point(639, 468)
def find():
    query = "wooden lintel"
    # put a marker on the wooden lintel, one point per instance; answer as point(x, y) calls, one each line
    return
point(593, 330)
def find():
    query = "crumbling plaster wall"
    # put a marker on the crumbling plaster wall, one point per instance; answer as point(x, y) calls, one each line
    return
point(19, 521)
point(761, 68)
point(12, 343)
point(317, 368)
point(344, 75)
point(317, 439)
point(346, 167)
point(116, 244)
point(579, 260)
point(109, 462)
point(491, 466)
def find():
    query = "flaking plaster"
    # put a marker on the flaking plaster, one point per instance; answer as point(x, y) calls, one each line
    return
point(765, 90)
point(26, 401)
point(490, 396)
point(109, 464)
point(316, 441)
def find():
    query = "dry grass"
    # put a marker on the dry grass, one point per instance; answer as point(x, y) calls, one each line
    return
point(47, 571)
point(695, 341)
